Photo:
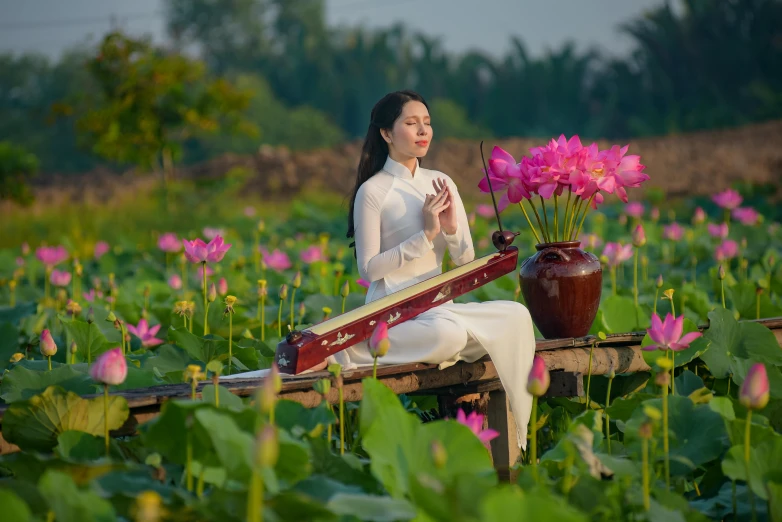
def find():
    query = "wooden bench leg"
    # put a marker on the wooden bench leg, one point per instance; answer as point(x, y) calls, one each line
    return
point(504, 449)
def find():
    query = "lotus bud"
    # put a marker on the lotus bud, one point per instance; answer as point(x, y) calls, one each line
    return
point(699, 216)
point(668, 294)
point(611, 372)
point(78, 269)
point(12, 284)
point(283, 291)
point(639, 236)
point(73, 308)
point(18, 356)
point(222, 287)
point(247, 334)
point(266, 397)
point(322, 386)
point(721, 272)
point(267, 449)
point(345, 290)
point(302, 309)
point(659, 281)
point(644, 261)
point(754, 391)
point(147, 507)
point(110, 367)
point(90, 316)
point(296, 283)
point(439, 455)
point(655, 214)
point(62, 295)
point(652, 413)
point(111, 317)
point(48, 346)
point(275, 378)
point(211, 293)
point(25, 249)
point(516, 293)
point(147, 290)
point(378, 342)
point(261, 226)
point(623, 219)
point(759, 290)
point(743, 243)
point(539, 379)
point(73, 348)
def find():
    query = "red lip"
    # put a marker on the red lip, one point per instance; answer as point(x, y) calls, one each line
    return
point(422, 143)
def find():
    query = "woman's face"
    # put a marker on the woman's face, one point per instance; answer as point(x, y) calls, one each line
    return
point(412, 133)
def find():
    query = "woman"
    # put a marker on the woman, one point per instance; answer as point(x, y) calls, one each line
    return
point(401, 231)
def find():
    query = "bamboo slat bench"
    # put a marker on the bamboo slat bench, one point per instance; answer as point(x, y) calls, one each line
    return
point(472, 385)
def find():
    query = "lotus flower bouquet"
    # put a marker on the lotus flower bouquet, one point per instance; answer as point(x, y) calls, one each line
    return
point(587, 174)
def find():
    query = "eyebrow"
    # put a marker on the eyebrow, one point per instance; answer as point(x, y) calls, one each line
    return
point(417, 116)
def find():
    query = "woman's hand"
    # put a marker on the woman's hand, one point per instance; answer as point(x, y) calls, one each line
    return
point(434, 205)
point(448, 216)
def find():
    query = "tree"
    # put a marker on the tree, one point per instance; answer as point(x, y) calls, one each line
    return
point(16, 165)
point(150, 102)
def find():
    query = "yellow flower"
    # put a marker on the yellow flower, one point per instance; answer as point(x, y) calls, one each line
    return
point(18, 356)
point(668, 294)
point(147, 507)
point(193, 372)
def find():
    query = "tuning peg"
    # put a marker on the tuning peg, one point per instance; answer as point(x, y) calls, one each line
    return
point(502, 240)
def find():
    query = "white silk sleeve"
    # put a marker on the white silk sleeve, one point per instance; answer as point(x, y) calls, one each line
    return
point(372, 263)
point(460, 243)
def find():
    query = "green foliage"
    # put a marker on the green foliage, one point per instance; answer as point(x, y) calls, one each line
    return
point(16, 166)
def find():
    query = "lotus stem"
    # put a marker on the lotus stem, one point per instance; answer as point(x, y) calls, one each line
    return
point(757, 305)
point(206, 303)
point(374, 367)
point(230, 342)
point(534, 438)
point(589, 376)
point(635, 278)
point(556, 217)
point(645, 466)
point(105, 415)
point(608, 419)
point(255, 498)
point(188, 463)
point(747, 433)
point(279, 319)
point(216, 383)
point(50, 362)
point(293, 301)
point(263, 318)
point(613, 280)
point(545, 218)
point(200, 485)
point(722, 287)
point(583, 218)
point(534, 232)
point(565, 221)
point(341, 422)
point(665, 439)
point(537, 217)
point(656, 297)
point(344, 299)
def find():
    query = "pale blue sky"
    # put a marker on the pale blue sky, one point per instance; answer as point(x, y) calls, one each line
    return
point(48, 26)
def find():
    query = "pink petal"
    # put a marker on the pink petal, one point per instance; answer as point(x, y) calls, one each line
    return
point(678, 327)
point(143, 328)
point(151, 342)
point(154, 330)
point(689, 337)
point(132, 329)
point(500, 154)
point(488, 435)
point(656, 331)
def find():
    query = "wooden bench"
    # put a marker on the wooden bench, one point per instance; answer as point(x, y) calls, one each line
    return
point(474, 386)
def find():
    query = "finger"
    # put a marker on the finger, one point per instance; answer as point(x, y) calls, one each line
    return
point(440, 208)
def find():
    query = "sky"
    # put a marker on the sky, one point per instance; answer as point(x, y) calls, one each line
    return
point(50, 26)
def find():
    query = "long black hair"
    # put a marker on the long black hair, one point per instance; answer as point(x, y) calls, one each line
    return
point(375, 149)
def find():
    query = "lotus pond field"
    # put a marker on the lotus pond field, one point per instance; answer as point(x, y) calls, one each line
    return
point(99, 299)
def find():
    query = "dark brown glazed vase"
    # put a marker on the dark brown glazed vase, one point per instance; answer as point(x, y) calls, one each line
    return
point(561, 285)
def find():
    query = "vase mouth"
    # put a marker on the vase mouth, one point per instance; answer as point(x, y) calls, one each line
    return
point(558, 244)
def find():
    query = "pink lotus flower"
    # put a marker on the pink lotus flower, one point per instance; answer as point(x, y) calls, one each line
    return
point(200, 272)
point(539, 378)
point(635, 209)
point(175, 282)
point(720, 230)
point(145, 333)
point(363, 283)
point(311, 254)
point(168, 242)
point(668, 335)
point(89, 296)
point(48, 346)
point(674, 232)
point(699, 216)
point(58, 278)
point(474, 421)
point(51, 256)
point(728, 249)
point(746, 215)
point(249, 211)
point(101, 248)
point(655, 214)
point(378, 341)
point(20, 261)
point(626, 170)
point(222, 287)
point(728, 199)
point(754, 392)
point(507, 179)
point(197, 251)
point(591, 241)
point(485, 211)
point(110, 367)
point(276, 260)
point(211, 233)
point(617, 253)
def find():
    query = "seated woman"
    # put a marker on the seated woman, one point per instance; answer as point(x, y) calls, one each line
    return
point(401, 231)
